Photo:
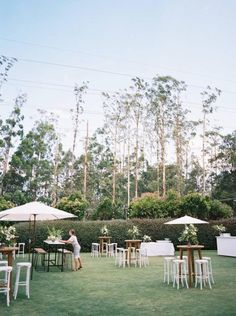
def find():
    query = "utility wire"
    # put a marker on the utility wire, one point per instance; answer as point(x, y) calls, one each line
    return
point(107, 57)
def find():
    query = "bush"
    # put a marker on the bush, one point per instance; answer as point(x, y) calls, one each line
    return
point(148, 207)
point(219, 210)
point(74, 204)
point(194, 204)
point(89, 231)
point(106, 210)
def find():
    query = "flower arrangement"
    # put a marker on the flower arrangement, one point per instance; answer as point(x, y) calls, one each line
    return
point(54, 234)
point(134, 232)
point(147, 238)
point(220, 228)
point(104, 230)
point(7, 235)
point(189, 234)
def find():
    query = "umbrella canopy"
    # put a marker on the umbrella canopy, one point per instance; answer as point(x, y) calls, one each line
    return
point(33, 211)
point(185, 220)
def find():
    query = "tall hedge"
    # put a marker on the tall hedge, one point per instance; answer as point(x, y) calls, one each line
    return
point(89, 231)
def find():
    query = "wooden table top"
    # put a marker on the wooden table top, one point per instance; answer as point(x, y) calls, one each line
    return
point(133, 240)
point(8, 249)
point(190, 247)
point(104, 237)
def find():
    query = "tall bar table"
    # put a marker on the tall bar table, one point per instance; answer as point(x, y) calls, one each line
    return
point(190, 253)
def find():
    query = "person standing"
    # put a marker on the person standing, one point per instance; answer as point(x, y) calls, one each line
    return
point(77, 263)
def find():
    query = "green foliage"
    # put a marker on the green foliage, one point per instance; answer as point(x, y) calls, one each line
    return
point(74, 204)
point(194, 204)
point(5, 204)
point(107, 211)
point(219, 210)
point(148, 206)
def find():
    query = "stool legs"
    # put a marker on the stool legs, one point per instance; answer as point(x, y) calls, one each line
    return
point(19, 266)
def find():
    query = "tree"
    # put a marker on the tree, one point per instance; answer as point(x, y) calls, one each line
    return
point(9, 132)
point(74, 204)
point(6, 63)
point(209, 97)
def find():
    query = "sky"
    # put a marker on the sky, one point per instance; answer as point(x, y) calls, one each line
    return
point(59, 43)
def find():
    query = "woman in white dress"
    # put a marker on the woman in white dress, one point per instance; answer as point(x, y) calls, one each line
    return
point(73, 240)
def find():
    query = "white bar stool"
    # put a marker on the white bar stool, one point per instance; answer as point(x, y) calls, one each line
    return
point(123, 257)
point(4, 263)
point(141, 258)
point(21, 250)
point(179, 272)
point(5, 286)
point(186, 261)
point(202, 273)
point(210, 268)
point(19, 266)
point(168, 269)
point(95, 250)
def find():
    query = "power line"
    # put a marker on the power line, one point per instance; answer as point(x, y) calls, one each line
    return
point(108, 57)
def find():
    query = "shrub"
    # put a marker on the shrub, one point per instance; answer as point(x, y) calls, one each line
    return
point(219, 210)
point(106, 210)
point(147, 207)
point(194, 204)
point(74, 204)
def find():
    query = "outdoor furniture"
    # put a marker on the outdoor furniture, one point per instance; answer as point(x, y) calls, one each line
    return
point(52, 257)
point(9, 252)
point(26, 282)
point(202, 273)
point(190, 254)
point(141, 258)
point(132, 243)
point(179, 272)
point(210, 268)
point(21, 250)
point(123, 257)
point(103, 241)
point(111, 249)
point(226, 245)
point(5, 286)
point(159, 248)
point(65, 253)
point(39, 253)
point(3, 263)
point(168, 269)
point(95, 250)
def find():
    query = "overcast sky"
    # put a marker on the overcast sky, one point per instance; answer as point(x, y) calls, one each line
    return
point(105, 41)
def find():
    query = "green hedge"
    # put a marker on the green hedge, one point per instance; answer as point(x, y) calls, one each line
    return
point(89, 231)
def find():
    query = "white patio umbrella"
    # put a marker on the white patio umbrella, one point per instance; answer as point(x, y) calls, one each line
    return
point(185, 220)
point(32, 212)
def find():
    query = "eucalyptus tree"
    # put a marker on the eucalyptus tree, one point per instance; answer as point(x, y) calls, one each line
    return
point(10, 132)
point(179, 130)
point(6, 63)
point(76, 113)
point(137, 102)
point(32, 163)
point(160, 107)
point(209, 97)
point(113, 110)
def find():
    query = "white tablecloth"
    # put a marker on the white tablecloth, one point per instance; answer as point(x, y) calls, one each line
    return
point(163, 248)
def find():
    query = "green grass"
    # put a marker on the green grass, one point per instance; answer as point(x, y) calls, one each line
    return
point(101, 288)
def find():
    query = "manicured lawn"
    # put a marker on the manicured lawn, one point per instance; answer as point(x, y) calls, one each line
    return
point(100, 288)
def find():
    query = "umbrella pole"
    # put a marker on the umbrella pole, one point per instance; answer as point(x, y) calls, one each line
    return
point(29, 240)
point(33, 245)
